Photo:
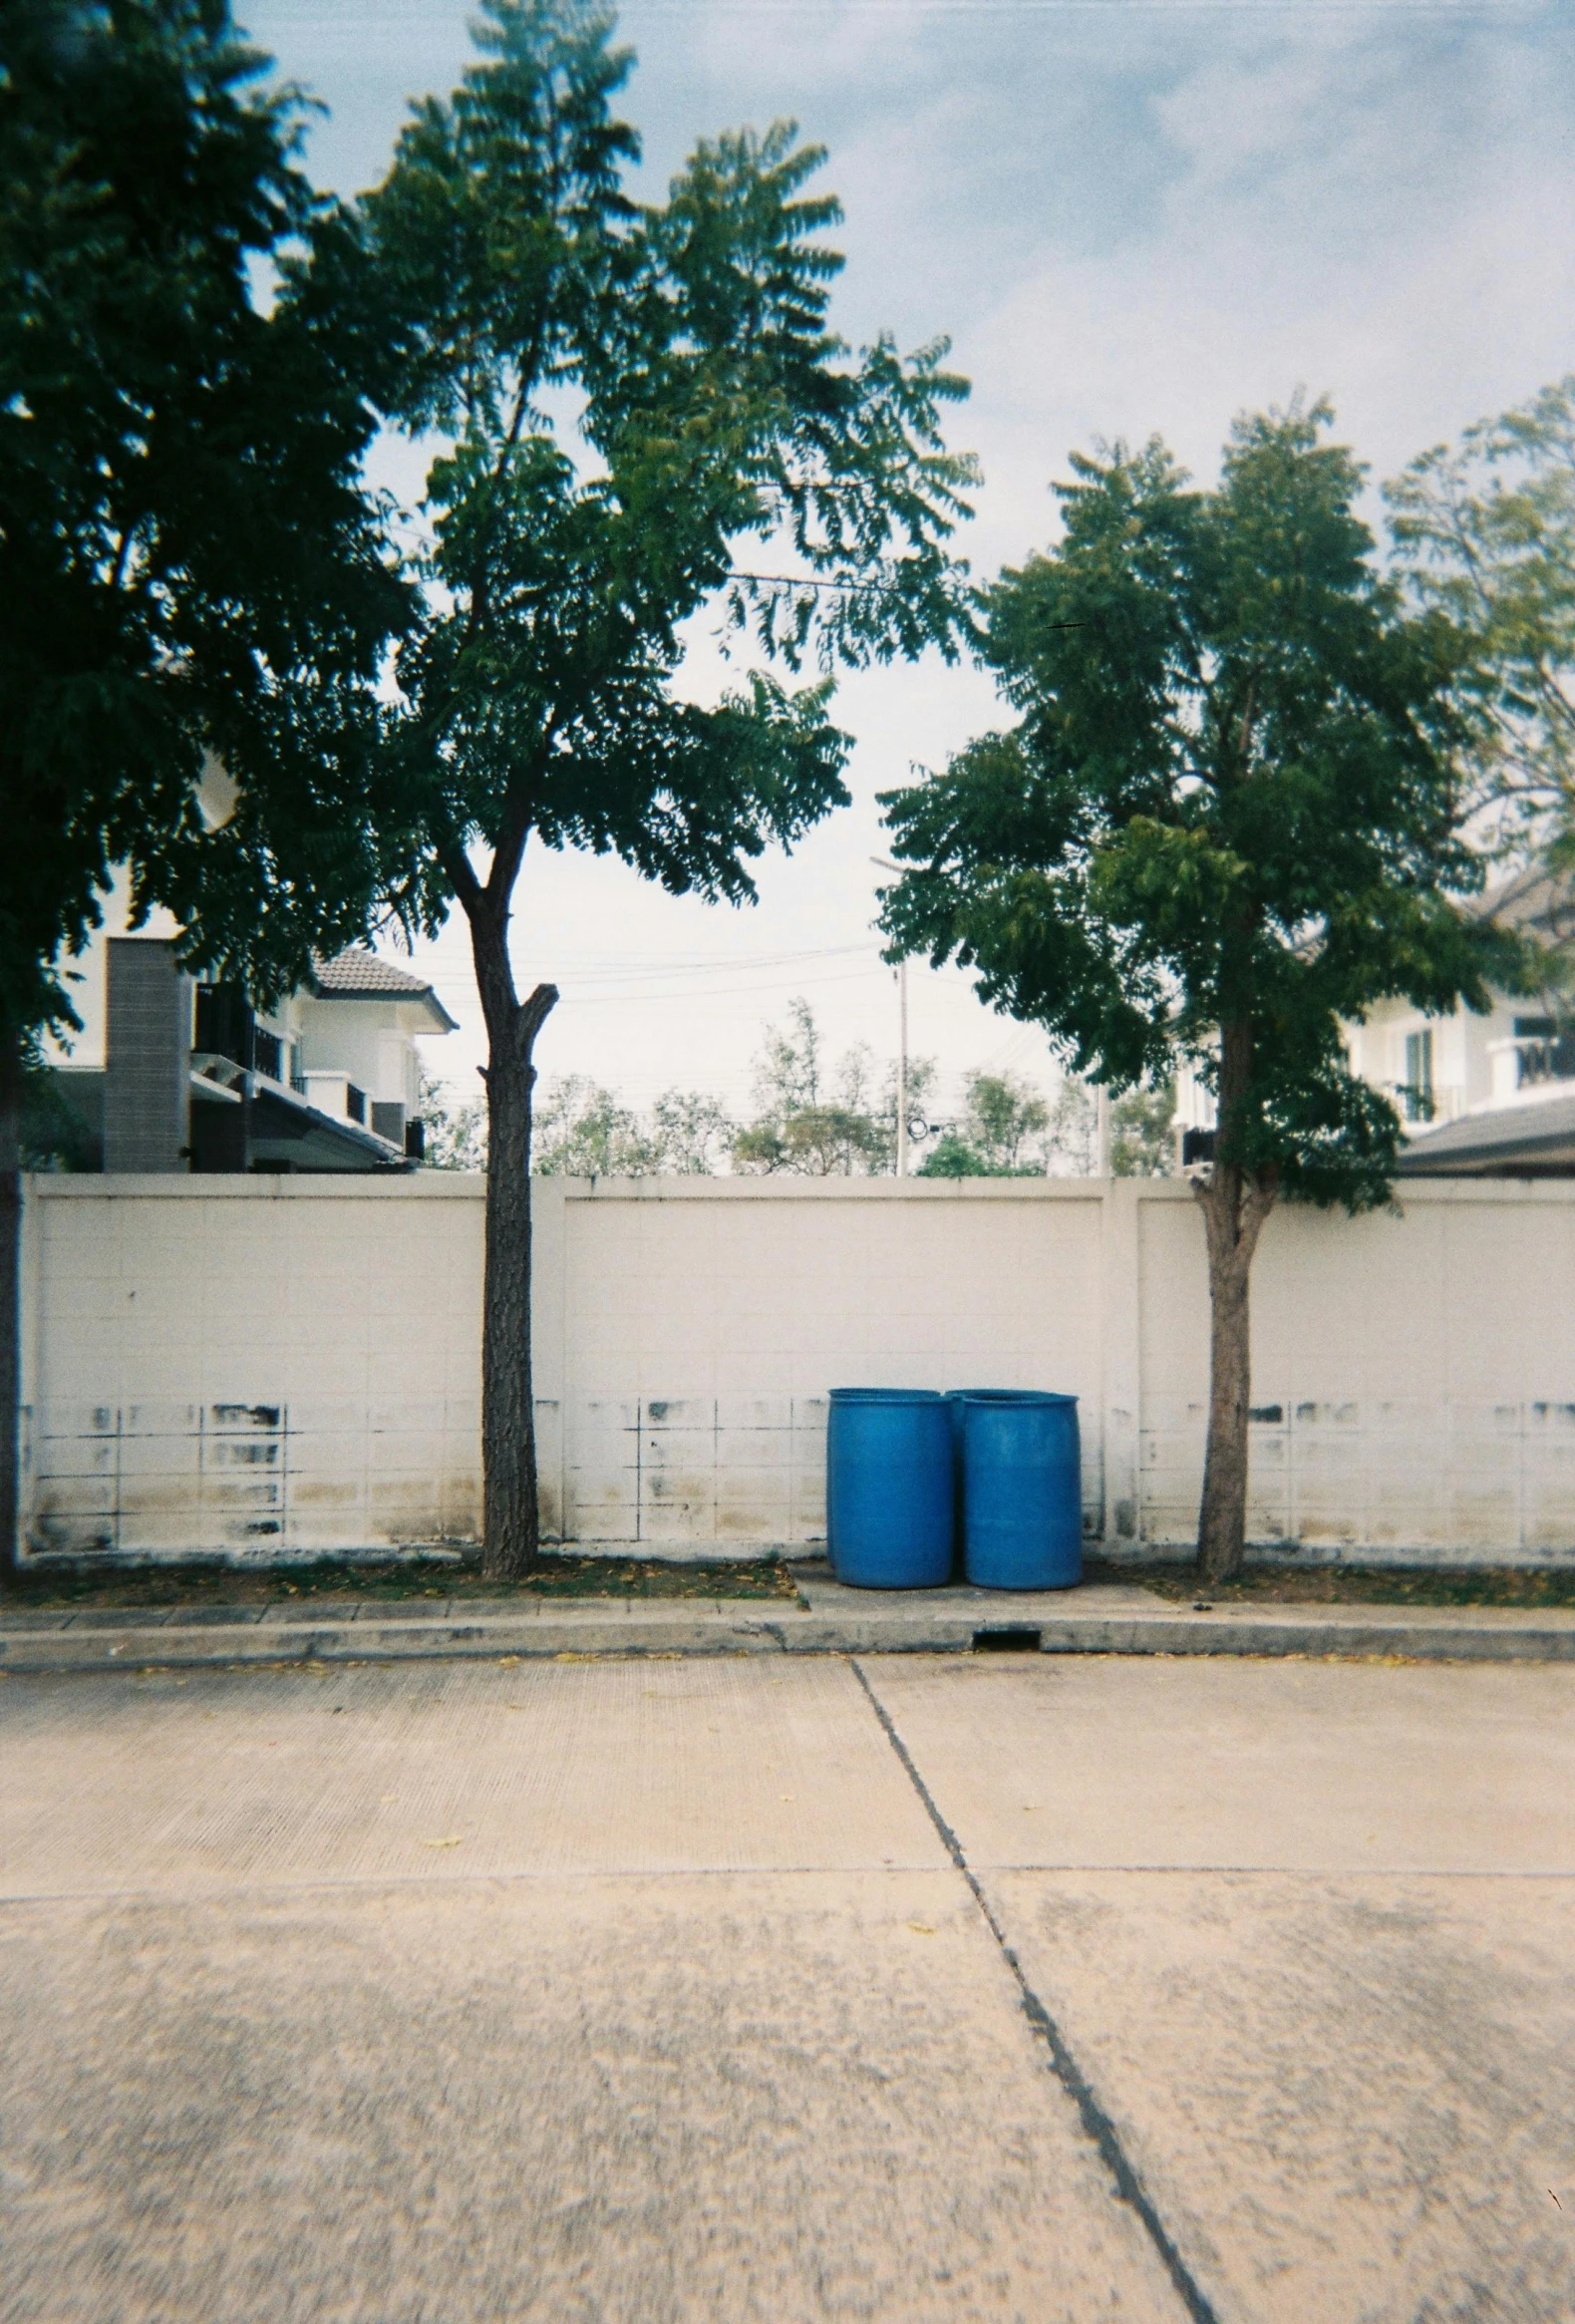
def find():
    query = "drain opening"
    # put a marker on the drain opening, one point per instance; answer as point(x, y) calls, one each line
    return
point(1006, 1642)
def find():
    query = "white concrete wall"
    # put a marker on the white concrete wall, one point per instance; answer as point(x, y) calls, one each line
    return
point(1413, 1377)
point(250, 1365)
point(291, 1365)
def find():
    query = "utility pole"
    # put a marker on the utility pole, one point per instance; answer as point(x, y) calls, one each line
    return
point(903, 1069)
point(1101, 1131)
point(884, 863)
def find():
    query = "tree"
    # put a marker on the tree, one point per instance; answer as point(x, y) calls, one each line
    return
point(1485, 535)
point(1001, 1115)
point(1142, 1139)
point(584, 1132)
point(803, 1127)
point(1071, 1141)
point(189, 565)
point(1228, 818)
point(456, 1130)
point(691, 1132)
point(621, 396)
point(951, 1157)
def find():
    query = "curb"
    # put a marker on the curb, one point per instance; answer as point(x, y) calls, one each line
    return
point(830, 1620)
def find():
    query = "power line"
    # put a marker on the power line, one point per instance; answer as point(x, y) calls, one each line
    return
point(615, 968)
point(569, 999)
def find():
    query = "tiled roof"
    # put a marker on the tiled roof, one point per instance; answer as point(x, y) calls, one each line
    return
point(358, 974)
point(358, 971)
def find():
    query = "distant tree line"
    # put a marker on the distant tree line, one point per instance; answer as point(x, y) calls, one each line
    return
point(815, 1118)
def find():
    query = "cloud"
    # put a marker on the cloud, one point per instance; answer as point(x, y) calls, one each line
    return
point(1376, 213)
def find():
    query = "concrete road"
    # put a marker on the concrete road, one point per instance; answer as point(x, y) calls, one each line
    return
point(999, 1987)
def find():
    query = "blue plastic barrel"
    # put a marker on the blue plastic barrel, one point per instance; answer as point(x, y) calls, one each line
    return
point(888, 1487)
point(1022, 1489)
point(956, 1397)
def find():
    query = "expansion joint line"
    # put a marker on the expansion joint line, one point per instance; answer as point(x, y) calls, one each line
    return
point(1096, 2122)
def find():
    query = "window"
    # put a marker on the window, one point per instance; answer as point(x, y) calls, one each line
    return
point(1418, 1090)
point(1544, 1050)
point(267, 1054)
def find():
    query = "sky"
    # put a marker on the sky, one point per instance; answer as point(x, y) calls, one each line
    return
point(1130, 218)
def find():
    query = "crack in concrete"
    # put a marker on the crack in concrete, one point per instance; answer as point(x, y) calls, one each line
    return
point(1096, 2122)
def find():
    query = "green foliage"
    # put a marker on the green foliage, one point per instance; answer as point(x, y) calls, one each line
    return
point(692, 1133)
point(583, 1131)
point(455, 1128)
point(188, 562)
point(1485, 533)
point(52, 1134)
point(1004, 1115)
point(1142, 1139)
point(620, 394)
point(1000, 1136)
point(1229, 815)
point(806, 1128)
point(1072, 1142)
point(951, 1157)
point(788, 1066)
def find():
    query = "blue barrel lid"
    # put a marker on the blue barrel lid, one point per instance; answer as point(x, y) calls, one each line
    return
point(1012, 1396)
point(885, 1395)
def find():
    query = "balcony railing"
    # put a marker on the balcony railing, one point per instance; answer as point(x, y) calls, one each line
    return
point(1536, 1059)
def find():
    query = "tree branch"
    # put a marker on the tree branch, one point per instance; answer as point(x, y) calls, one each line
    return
point(457, 870)
point(509, 847)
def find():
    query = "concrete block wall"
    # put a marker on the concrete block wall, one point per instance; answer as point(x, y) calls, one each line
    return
point(705, 1321)
point(1414, 1376)
point(291, 1365)
point(253, 1366)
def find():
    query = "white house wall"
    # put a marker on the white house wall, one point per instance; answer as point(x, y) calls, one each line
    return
point(289, 1365)
point(364, 1039)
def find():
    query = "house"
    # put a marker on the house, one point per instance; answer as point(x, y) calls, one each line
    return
point(1479, 1096)
point(174, 1074)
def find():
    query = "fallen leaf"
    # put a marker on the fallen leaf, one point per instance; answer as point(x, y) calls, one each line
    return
point(921, 1928)
point(451, 1840)
point(506, 1661)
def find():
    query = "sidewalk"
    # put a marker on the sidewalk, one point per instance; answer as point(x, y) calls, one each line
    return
point(1103, 1618)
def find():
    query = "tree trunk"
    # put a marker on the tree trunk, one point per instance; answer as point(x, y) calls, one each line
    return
point(10, 1304)
point(1235, 1206)
point(509, 1515)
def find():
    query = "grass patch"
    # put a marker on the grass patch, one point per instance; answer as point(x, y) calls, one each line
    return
point(1353, 1585)
point(213, 1583)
